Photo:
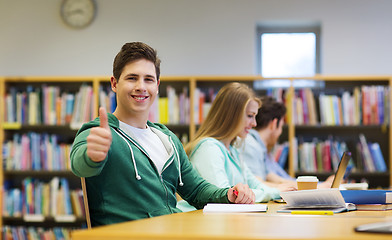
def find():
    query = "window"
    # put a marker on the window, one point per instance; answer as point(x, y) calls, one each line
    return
point(292, 51)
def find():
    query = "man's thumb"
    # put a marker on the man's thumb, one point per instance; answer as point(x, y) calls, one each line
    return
point(103, 118)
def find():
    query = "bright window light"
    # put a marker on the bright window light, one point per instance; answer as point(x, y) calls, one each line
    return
point(288, 54)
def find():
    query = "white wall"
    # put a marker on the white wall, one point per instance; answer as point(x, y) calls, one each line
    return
point(193, 37)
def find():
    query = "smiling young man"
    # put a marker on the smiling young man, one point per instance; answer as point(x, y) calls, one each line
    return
point(133, 167)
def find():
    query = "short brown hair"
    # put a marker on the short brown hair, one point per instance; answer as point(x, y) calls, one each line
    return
point(135, 51)
point(270, 109)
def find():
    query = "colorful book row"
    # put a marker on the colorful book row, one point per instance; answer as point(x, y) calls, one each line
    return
point(47, 105)
point(35, 233)
point(280, 153)
point(203, 99)
point(370, 157)
point(319, 155)
point(37, 199)
point(365, 105)
point(324, 156)
point(171, 109)
point(34, 151)
point(174, 108)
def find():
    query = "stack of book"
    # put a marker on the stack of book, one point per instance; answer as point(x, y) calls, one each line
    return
point(369, 199)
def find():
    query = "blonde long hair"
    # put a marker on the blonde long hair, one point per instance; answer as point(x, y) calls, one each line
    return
point(226, 114)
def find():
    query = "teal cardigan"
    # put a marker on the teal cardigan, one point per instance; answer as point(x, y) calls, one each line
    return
point(223, 168)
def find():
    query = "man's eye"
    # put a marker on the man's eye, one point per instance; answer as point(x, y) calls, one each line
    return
point(149, 80)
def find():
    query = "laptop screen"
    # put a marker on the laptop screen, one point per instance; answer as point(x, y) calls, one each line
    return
point(341, 170)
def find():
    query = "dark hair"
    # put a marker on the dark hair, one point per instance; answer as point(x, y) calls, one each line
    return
point(270, 109)
point(135, 51)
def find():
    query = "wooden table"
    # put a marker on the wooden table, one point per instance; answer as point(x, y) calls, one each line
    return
point(270, 225)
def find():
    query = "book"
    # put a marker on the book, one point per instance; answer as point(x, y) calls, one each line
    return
point(77, 209)
point(368, 160)
point(284, 155)
point(311, 106)
point(367, 196)
point(196, 106)
point(377, 156)
point(374, 207)
point(234, 208)
point(163, 106)
point(329, 199)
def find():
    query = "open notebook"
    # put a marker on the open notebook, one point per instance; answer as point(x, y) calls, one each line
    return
point(329, 199)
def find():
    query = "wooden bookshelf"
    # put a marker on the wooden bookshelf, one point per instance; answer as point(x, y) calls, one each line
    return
point(64, 133)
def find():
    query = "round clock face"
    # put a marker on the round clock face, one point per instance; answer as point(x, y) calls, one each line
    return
point(78, 13)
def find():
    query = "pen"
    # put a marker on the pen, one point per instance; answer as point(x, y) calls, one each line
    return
point(316, 212)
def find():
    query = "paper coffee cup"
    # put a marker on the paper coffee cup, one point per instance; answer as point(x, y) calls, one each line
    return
point(307, 182)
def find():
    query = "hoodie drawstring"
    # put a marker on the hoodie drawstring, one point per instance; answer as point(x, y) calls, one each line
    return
point(179, 163)
point(138, 177)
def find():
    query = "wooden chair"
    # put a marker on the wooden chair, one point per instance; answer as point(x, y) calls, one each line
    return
point(85, 200)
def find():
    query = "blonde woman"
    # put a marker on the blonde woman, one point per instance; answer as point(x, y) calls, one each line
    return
point(213, 151)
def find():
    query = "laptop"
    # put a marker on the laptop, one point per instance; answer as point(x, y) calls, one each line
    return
point(340, 172)
point(378, 227)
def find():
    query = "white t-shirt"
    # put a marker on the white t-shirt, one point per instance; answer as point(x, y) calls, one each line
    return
point(150, 142)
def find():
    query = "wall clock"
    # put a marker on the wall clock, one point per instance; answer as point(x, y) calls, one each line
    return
point(78, 13)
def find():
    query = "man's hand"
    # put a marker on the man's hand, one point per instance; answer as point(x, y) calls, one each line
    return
point(241, 193)
point(287, 186)
point(99, 139)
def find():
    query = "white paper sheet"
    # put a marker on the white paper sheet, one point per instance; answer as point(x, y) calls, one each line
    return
point(234, 208)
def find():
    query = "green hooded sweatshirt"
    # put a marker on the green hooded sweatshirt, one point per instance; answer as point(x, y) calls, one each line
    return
point(127, 186)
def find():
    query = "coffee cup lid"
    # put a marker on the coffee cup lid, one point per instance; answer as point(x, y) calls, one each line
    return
point(307, 179)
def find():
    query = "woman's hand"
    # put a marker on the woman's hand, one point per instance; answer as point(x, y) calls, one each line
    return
point(241, 193)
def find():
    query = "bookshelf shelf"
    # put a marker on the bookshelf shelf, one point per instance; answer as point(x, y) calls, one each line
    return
point(46, 222)
point(342, 127)
point(39, 173)
point(43, 128)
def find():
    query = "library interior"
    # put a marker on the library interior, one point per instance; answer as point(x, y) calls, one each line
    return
point(328, 62)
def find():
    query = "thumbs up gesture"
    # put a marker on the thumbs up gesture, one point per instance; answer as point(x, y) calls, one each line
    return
point(99, 139)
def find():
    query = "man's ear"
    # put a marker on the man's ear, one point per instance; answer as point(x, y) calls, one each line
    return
point(273, 124)
point(113, 83)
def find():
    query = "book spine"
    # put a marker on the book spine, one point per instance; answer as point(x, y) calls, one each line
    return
point(368, 160)
point(377, 156)
point(367, 196)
